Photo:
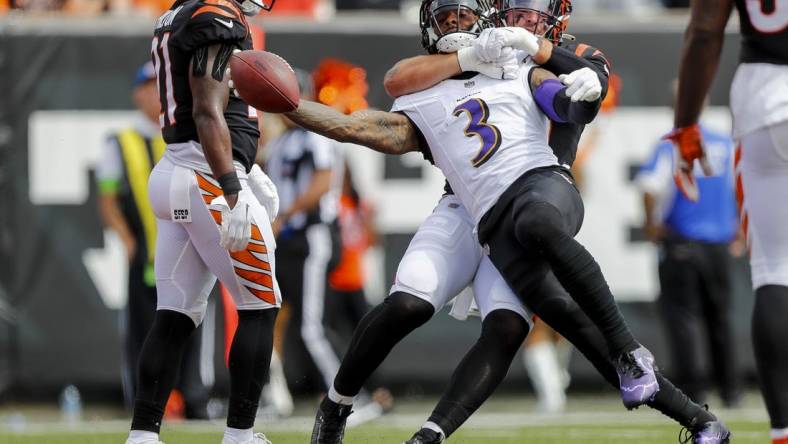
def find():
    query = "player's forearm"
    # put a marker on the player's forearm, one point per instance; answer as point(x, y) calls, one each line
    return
point(700, 57)
point(699, 61)
point(215, 141)
point(377, 134)
point(550, 95)
point(563, 61)
point(419, 73)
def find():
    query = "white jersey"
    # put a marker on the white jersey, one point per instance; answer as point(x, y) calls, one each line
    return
point(759, 97)
point(482, 133)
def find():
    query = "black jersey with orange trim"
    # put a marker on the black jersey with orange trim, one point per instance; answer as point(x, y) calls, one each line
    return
point(564, 137)
point(186, 27)
point(764, 29)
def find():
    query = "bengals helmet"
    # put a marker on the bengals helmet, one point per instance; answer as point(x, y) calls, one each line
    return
point(547, 18)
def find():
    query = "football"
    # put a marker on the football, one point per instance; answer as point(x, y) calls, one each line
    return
point(265, 81)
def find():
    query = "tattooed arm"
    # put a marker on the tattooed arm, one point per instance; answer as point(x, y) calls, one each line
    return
point(385, 132)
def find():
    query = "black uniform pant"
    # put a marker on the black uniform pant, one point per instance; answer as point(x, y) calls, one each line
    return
point(531, 229)
point(695, 302)
point(139, 314)
point(304, 258)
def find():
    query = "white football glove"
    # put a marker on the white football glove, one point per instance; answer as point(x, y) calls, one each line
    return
point(236, 228)
point(505, 67)
point(493, 42)
point(264, 190)
point(583, 85)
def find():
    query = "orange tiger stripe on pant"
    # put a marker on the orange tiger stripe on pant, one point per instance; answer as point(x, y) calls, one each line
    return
point(254, 266)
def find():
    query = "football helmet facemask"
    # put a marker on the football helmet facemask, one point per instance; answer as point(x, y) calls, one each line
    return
point(546, 18)
point(251, 8)
point(449, 25)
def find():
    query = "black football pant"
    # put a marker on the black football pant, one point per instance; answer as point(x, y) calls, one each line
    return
point(531, 230)
point(139, 314)
point(695, 299)
point(769, 336)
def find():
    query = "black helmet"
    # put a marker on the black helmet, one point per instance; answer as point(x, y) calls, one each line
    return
point(434, 12)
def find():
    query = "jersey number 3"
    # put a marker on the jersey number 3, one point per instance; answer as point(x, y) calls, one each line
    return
point(478, 113)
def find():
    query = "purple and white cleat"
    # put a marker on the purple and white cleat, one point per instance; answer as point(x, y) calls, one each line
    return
point(712, 432)
point(636, 377)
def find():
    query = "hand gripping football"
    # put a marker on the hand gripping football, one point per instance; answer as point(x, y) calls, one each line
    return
point(265, 81)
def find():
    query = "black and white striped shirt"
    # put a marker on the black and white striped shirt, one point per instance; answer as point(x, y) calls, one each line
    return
point(293, 157)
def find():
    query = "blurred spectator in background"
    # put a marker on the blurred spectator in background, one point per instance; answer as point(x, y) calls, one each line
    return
point(348, 302)
point(306, 169)
point(696, 241)
point(127, 159)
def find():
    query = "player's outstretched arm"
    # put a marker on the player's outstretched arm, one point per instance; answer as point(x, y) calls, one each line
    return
point(419, 73)
point(385, 132)
point(700, 57)
point(210, 94)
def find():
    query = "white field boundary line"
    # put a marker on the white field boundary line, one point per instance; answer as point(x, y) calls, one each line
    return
point(480, 421)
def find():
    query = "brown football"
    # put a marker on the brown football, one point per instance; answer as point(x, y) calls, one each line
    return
point(265, 81)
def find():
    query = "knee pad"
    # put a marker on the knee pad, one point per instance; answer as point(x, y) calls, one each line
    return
point(407, 309)
point(504, 328)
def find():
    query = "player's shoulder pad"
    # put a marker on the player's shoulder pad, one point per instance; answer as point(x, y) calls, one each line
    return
point(209, 22)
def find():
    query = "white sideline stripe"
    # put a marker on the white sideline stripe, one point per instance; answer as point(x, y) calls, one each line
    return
point(481, 422)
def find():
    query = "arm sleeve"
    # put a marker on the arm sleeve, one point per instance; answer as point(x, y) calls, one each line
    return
point(551, 97)
point(109, 170)
point(424, 149)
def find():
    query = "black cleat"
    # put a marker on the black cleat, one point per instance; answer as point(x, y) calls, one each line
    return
point(426, 436)
point(712, 432)
point(330, 422)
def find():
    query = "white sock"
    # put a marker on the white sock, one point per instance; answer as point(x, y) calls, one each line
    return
point(143, 436)
point(545, 373)
point(434, 427)
point(238, 435)
point(339, 399)
point(779, 433)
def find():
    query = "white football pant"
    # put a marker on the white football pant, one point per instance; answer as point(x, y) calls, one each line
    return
point(188, 255)
point(762, 184)
point(444, 257)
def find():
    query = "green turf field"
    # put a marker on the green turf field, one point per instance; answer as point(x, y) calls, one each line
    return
point(590, 419)
point(744, 432)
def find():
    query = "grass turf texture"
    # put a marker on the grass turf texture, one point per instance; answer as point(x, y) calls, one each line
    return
point(591, 419)
point(744, 432)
